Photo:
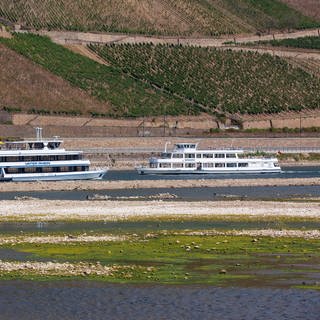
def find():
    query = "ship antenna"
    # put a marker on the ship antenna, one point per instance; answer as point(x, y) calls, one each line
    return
point(165, 146)
point(39, 133)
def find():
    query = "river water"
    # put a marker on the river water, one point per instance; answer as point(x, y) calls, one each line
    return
point(286, 173)
point(91, 300)
point(190, 194)
point(83, 300)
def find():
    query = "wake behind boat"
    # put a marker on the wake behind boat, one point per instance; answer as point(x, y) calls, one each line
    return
point(186, 158)
point(44, 160)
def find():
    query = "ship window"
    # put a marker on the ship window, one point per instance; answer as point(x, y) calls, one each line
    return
point(208, 155)
point(44, 158)
point(13, 159)
point(177, 165)
point(220, 165)
point(61, 158)
point(38, 145)
point(219, 155)
point(153, 165)
point(64, 169)
point(30, 169)
point(231, 165)
point(199, 155)
point(243, 165)
point(165, 155)
point(208, 165)
point(190, 165)
point(231, 155)
point(177, 155)
point(165, 165)
point(190, 155)
point(11, 170)
point(47, 169)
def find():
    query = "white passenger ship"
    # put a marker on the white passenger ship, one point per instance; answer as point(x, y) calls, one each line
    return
point(40, 159)
point(186, 158)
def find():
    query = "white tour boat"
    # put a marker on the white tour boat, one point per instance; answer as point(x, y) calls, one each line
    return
point(186, 158)
point(40, 159)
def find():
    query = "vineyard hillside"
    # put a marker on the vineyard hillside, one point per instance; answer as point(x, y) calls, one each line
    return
point(309, 8)
point(118, 94)
point(166, 17)
point(302, 42)
point(27, 87)
point(222, 80)
point(151, 80)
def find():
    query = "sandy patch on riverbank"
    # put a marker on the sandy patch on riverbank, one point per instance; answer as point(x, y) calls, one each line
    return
point(136, 184)
point(44, 210)
point(57, 269)
point(60, 239)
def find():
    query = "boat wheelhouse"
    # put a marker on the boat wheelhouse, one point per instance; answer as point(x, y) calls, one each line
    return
point(186, 158)
point(41, 159)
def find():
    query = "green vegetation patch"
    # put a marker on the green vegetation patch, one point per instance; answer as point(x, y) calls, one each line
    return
point(128, 96)
point(302, 42)
point(218, 80)
point(183, 259)
point(269, 14)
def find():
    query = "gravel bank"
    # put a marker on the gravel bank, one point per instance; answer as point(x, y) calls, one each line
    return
point(46, 210)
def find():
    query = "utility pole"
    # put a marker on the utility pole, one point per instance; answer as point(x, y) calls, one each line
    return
point(164, 121)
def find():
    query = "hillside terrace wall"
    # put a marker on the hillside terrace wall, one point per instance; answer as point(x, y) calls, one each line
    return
point(202, 122)
point(148, 126)
point(282, 121)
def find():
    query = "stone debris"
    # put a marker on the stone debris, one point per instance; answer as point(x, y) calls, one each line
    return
point(55, 268)
point(306, 234)
point(49, 210)
point(60, 239)
point(159, 196)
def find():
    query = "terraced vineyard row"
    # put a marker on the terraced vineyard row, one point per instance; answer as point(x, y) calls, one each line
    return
point(233, 82)
point(127, 96)
point(269, 14)
point(179, 17)
point(303, 42)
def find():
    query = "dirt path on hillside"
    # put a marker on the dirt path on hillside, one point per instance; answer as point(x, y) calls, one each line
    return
point(63, 37)
point(85, 51)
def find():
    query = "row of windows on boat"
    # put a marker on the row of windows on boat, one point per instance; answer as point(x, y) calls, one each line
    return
point(202, 165)
point(45, 169)
point(198, 155)
point(41, 158)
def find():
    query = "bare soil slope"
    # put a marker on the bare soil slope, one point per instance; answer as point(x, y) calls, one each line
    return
point(24, 85)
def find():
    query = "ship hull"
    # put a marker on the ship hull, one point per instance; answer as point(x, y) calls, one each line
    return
point(59, 176)
point(143, 171)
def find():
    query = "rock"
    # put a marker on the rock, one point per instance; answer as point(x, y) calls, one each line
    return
point(223, 271)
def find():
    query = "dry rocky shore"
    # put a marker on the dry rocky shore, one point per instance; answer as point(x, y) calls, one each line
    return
point(50, 210)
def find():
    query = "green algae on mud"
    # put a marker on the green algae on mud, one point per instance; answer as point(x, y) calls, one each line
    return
point(186, 259)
